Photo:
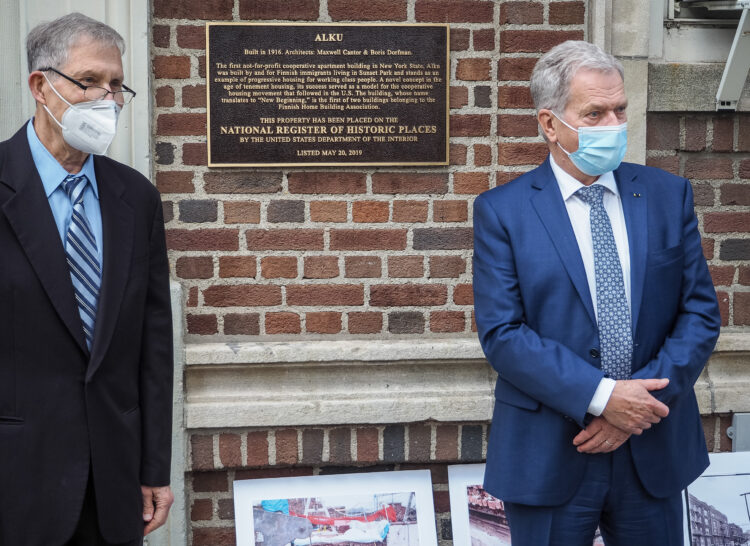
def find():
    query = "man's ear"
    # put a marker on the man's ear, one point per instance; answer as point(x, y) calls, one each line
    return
point(36, 85)
point(545, 119)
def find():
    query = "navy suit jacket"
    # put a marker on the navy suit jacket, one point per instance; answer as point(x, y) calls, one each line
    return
point(64, 410)
point(537, 327)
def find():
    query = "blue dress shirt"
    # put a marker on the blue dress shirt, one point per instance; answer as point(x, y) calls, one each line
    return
point(52, 175)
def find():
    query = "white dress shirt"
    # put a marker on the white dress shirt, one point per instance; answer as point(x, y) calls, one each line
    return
point(578, 212)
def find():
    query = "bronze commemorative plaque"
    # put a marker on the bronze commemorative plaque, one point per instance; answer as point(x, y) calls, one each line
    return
point(327, 94)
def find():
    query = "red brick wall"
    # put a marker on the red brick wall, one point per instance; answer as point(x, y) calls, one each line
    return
point(713, 151)
point(334, 251)
point(383, 251)
point(217, 458)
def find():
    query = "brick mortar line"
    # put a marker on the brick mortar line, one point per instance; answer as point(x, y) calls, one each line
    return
point(483, 441)
point(717, 431)
point(323, 14)
point(407, 447)
point(222, 311)
point(352, 444)
point(215, 447)
point(381, 442)
point(433, 441)
point(461, 253)
point(365, 282)
point(244, 447)
point(545, 26)
point(271, 447)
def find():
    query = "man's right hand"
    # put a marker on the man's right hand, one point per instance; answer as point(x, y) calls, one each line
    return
point(632, 408)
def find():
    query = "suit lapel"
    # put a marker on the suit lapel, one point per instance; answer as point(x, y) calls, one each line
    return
point(634, 207)
point(30, 216)
point(117, 233)
point(550, 207)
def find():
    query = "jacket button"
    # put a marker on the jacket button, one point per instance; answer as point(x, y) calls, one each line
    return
point(594, 353)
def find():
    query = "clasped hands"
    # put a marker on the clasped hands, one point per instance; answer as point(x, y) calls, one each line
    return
point(631, 409)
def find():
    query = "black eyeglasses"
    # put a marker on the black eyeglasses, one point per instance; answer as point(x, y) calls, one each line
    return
point(93, 92)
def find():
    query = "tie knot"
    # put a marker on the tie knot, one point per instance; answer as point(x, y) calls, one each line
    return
point(592, 195)
point(74, 186)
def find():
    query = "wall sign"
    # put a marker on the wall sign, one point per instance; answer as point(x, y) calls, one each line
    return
point(327, 94)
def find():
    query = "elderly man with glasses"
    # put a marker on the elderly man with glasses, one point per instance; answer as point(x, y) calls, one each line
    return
point(85, 321)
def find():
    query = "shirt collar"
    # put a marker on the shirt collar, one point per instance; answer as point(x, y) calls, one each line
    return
point(569, 185)
point(50, 171)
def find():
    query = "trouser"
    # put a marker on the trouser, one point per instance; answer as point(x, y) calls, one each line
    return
point(87, 532)
point(610, 496)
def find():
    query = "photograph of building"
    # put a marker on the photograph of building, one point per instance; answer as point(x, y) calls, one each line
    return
point(711, 527)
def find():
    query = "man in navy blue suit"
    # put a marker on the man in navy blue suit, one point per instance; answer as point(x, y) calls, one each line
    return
point(595, 306)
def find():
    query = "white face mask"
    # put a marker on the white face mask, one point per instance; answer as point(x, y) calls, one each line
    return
point(88, 126)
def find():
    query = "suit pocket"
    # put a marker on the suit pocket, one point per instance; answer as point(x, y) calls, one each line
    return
point(132, 410)
point(9, 420)
point(508, 394)
point(665, 256)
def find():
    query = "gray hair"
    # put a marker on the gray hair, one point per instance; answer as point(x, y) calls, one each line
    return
point(550, 80)
point(48, 44)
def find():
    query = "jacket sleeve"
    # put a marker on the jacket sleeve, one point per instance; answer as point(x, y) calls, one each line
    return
point(541, 368)
point(156, 367)
point(688, 346)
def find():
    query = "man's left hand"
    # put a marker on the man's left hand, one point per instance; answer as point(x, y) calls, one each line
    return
point(156, 504)
point(600, 437)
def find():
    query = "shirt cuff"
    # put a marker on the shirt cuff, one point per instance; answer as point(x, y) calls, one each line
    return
point(601, 396)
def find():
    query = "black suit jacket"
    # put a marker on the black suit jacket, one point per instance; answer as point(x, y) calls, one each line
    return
point(63, 410)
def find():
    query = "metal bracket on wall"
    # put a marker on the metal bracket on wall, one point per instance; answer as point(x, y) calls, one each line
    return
point(738, 62)
point(739, 432)
point(737, 67)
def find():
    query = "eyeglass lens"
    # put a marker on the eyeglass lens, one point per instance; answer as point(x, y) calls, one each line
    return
point(98, 93)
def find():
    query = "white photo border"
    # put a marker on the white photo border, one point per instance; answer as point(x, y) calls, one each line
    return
point(461, 476)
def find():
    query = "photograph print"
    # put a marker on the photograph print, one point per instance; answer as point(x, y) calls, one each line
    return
point(380, 509)
point(478, 518)
point(718, 502)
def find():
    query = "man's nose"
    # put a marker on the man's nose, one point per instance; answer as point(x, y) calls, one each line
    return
point(111, 95)
point(611, 119)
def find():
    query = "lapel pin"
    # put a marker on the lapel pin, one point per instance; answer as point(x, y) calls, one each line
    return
point(636, 195)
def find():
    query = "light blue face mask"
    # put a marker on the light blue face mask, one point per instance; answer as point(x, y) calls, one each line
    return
point(600, 148)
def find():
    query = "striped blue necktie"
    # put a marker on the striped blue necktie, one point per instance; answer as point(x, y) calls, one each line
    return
point(82, 254)
point(613, 313)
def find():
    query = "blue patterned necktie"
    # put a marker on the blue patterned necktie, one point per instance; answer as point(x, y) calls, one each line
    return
point(82, 254)
point(612, 309)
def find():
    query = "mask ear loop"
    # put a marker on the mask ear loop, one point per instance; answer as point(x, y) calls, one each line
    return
point(61, 98)
point(564, 122)
point(569, 127)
